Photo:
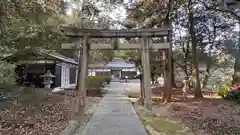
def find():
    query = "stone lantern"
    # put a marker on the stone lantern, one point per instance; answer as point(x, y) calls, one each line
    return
point(47, 79)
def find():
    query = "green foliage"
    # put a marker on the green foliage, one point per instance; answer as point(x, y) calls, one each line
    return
point(96, 81)
point(31, 24)
point(27, 24)
point(108, 79)
point(219, 77)
point(234, 93)
point(224, 90)
point(230, 92)
point(7, 74)
point(97, 56)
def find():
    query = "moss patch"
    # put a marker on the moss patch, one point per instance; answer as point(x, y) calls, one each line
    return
point(162, 124)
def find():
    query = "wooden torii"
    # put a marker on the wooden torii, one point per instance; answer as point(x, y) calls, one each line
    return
point(164, 34)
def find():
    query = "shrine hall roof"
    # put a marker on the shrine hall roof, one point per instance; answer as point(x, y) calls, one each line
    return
point(113, 64)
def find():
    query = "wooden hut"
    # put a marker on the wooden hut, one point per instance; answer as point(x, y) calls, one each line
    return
point(31, 64)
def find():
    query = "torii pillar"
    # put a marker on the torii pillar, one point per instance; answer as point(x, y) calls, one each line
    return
point(146, 73)
point(82, 78)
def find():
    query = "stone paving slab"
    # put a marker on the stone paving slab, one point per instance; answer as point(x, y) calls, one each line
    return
point(115, 115)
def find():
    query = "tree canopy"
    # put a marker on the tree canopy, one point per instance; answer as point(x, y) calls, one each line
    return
point(205, 33)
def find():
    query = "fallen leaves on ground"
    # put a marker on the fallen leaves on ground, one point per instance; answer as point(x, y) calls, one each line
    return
point(217, 117)
point(40, 116)
point(211, 116)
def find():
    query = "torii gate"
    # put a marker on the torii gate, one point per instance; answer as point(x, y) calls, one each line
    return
point(164, 34)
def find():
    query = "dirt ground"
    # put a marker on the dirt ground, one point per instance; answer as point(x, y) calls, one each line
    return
point(209, 116)
point(36, 113)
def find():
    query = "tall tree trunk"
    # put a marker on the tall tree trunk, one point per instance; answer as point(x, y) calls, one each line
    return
point(79, 71)
point(209, 61)
point(193, 41)
point(236, 75)
point(3, 16)
point(173, 75)
point(186, 54)
point(185, 49)
point(80, 43)
point(206, 76)
point(167, 95)
point(166, 92)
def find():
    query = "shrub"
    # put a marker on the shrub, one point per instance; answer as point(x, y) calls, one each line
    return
point(94, 85)
point(236, 87)
point(7, 76)
point(224, 90)
point(234, 93)
point(108, 79)
point(95, 81)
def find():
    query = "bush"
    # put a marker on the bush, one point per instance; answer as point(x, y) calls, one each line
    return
point(94, 85)
point(108, 79)
point(224, 90)
point(95, 81)
point(7, 73)
point(230, 93)
point(7, 76)
point(234, 94)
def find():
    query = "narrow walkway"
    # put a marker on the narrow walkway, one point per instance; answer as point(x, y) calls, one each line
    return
point(115, 115)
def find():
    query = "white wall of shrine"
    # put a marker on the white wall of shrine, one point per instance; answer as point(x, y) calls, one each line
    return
point(65, 78)
point(65, 75)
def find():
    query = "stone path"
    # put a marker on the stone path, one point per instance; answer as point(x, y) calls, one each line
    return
point(115, 114)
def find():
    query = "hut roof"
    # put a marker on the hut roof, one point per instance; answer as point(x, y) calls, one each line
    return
point(46, 54)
